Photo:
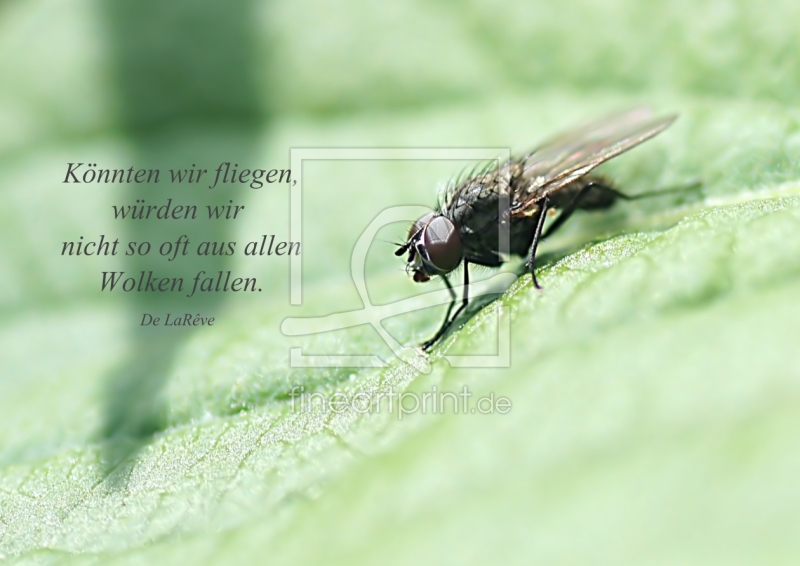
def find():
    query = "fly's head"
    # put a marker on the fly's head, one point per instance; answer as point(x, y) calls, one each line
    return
point(433, 246)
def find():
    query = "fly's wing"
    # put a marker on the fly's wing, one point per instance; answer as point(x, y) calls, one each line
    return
point(599, 128)
point(569, 156)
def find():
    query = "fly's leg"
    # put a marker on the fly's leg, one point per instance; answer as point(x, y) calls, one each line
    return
point(536, 237)
point(567, 211)
point(658, 193)
point(575, 203)
point(448, 320)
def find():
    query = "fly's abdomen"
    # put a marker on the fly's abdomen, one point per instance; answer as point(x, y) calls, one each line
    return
point(476, 207)
point(596, 197)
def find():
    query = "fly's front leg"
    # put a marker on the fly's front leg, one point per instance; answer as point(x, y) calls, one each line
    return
point(537, 235)
point(448, 320)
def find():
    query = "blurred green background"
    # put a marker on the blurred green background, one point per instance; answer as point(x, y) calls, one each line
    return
point(655, 382)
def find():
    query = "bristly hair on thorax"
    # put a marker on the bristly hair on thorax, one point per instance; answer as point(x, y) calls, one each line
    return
point(449, 190)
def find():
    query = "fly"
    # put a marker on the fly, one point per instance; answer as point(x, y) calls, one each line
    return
point(554, 178)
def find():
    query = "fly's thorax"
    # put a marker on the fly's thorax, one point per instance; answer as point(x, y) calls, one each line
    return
point(485, 246)
point(482, 210)
point(479, 202)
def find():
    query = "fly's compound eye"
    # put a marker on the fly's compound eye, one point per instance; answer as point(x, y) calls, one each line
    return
point(413, 236)
point(420, 224)
point(442, 244)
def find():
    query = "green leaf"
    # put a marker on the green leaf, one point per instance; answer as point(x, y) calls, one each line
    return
point(652, 382)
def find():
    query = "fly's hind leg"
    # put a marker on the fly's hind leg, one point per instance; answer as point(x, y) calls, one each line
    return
point(610, 194)
point(573, 205)
point(668, 191)
point(596, 195)
point(605, 196)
